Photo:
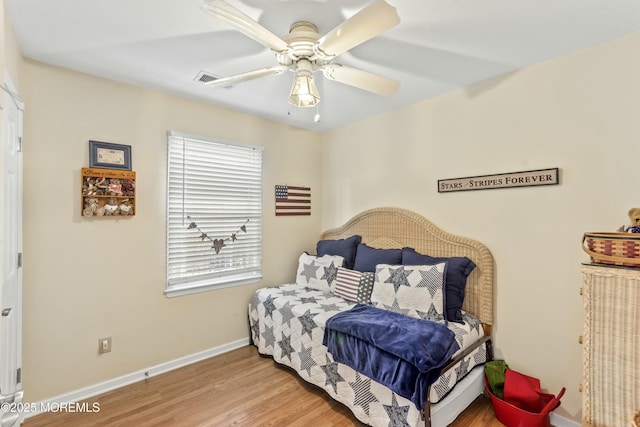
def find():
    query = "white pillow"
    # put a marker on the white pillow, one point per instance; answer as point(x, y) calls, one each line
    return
point(412, 290)
point(318, 272)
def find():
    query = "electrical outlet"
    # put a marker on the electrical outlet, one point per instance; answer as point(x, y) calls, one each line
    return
point(104, 345)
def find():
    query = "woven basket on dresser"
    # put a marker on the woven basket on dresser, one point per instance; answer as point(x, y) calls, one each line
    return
point(611, 354)
point(613, 248)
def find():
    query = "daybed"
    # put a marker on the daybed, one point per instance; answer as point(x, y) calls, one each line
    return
point(289, 322)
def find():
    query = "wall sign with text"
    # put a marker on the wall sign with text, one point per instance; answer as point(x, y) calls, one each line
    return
point(501, 180)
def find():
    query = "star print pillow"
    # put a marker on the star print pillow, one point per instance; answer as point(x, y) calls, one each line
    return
point(412, 290)
point(318, 272)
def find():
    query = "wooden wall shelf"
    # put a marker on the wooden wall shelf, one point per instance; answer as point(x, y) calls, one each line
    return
point(108, 192)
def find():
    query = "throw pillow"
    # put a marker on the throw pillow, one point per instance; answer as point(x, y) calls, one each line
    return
point(347, 282)
point(318, 272)
point(415, 291)
point(346, 248)
point(367, 257)
point(365, 287)
point(458, 269)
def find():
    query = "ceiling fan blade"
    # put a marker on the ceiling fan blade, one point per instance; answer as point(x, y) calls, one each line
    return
point(361, 79)
point(243, 77)
point(371, 21)
point(228, 13)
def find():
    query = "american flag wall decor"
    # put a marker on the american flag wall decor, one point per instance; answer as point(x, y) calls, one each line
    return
point(291, 201)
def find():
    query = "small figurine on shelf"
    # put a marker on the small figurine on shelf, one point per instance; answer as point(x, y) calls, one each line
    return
point(90, 206)
point(115, 187)
point(101, 184)
point(128, 187)
point(111, 207)
point(126, 207)
point(89, 188)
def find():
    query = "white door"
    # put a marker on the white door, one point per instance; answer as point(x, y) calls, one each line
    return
point(11, 253)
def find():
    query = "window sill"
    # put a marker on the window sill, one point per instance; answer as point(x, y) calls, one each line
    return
point(194, 288)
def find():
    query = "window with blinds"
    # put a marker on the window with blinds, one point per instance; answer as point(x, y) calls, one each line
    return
point(214, 214)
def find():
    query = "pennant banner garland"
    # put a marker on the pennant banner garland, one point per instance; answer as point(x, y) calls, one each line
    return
point(217, 244)
point(292, 201)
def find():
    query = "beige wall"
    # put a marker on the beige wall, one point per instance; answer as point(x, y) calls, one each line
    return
point(86, 278)
point(579, 113)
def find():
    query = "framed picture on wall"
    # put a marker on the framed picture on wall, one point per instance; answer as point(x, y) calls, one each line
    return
point(109, 156)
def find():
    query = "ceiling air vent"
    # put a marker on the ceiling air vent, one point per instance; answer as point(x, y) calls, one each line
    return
point(204, 77)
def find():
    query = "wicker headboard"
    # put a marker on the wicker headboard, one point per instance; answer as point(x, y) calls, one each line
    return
point(398, 228)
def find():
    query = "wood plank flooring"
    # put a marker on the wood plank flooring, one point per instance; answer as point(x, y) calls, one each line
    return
point(238, 388)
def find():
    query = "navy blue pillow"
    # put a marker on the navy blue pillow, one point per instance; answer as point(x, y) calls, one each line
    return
point(346, 248)
point(367, 257)
point(458, 268)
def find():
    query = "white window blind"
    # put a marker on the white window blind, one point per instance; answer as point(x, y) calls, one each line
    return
point(214, 214)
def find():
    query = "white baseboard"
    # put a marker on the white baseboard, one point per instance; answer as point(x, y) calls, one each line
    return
point(103, 387)
point(560, 421)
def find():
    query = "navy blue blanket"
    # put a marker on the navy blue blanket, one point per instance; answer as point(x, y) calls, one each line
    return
point(403, 353)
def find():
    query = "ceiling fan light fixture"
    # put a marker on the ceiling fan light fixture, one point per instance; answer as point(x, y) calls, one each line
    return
point(304, 52)
point(304, 92)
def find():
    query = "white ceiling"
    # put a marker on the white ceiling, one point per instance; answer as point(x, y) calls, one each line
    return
point(439, 46)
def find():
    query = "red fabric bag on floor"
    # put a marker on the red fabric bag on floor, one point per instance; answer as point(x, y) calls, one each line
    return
point(524, 392)
point(524, 404)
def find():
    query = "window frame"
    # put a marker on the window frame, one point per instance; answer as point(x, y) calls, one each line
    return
point(185, 285)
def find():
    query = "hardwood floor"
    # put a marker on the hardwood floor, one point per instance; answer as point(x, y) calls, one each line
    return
point(238, 388)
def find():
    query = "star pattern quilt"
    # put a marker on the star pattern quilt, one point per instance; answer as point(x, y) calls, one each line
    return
point(288, 323)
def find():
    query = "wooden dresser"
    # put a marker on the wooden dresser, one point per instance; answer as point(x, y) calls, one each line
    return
point(611, 354)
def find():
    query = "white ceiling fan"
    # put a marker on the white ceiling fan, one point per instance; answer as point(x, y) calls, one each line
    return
point(304, 52)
